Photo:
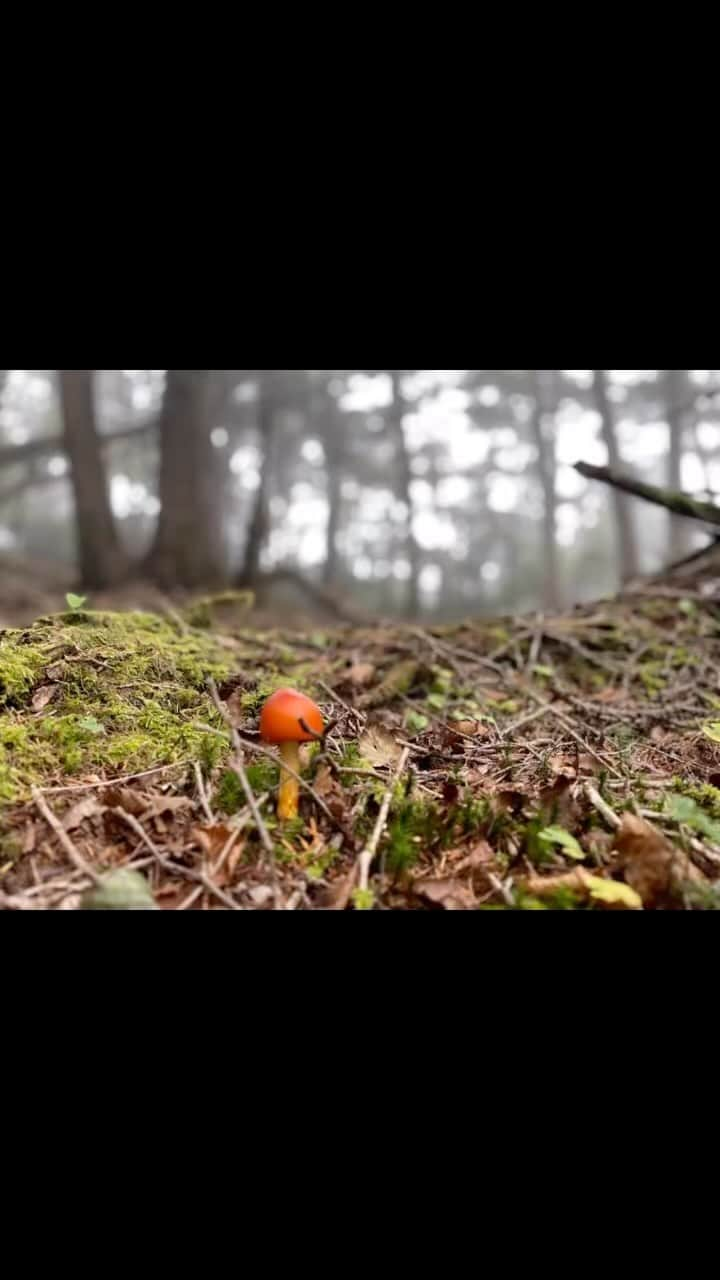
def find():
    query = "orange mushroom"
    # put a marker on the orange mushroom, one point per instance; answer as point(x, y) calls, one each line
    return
point(289, 718)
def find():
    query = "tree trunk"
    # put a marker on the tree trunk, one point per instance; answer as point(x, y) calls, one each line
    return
point(395, 420)
point(188, 549)
point(626, 539)
point(675, 396)
point(259, 528)
point(543, 426)
point(102, 560)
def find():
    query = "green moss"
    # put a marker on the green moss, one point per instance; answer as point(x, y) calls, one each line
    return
point(129, 694)
point(704, 795)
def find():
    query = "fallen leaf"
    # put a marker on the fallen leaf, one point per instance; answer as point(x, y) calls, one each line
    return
point(470, 728)
point(478, 858)
point(613, 892)
point(361, 673)
point(156, 806)
point(43, 696)
point(212, 840)
point(451, 894)
point(125, 798)
point(653, 866)
point(379, 747)
point(609, 892)
point(340, 893)
point(90, 807)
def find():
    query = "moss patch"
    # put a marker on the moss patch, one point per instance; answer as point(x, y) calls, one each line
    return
point(88, 692)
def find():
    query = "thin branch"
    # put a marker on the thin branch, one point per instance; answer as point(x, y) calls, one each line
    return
point(681, 504)
point(171, 868)
point(73, 854)
point(602, 807)
point(369, 853)
point(203, 794)
point(238, 767)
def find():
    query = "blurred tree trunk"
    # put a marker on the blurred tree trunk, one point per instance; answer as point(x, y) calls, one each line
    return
point(102, 561)
point(625, 524)
point(543, 429)
point(259, 528)
point(676, 395)
point(325, 417)
point(395, 420)
point(188, 549)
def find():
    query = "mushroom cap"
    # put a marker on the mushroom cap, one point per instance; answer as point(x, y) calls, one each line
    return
point(281, 716)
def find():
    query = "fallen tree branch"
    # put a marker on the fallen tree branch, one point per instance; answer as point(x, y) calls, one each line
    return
point(680, 504)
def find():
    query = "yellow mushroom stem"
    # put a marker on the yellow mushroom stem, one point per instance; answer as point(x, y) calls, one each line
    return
point(289, 794)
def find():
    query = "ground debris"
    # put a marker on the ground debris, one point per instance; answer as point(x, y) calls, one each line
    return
point(529, 750)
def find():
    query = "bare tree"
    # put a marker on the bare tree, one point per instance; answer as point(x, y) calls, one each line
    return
point(543, 429)
point(259, 527)
point(676, 398)
point(626, 537)
point(395, 419)
point(188, 549)
point(102, 560)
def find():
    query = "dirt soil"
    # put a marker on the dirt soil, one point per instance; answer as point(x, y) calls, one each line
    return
point(563, 763)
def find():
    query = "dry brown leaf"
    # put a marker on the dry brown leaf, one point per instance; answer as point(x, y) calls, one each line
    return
point(212, 840)
point(133, 802)
point(379, 747)
point(338, 896)
point(478, 858)
point(156, 806)
point(361, 673)
point(43, 696)
point(654, 867)
point(470, 728)
point(451, 894)
point(90, 807)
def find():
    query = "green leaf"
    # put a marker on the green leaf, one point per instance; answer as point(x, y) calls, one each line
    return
point(544, 671)
point(712, 730)
point(683, 809)
point(437, 701)
point(90, 725)
point(614, 892)
point(558, 835)
point(363, 899)
point(75, 602)
point(688, 607)
point(415, 722)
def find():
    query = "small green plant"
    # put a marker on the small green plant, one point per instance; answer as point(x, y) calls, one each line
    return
point(363, 899)
point(567, 842)
point(74, 603)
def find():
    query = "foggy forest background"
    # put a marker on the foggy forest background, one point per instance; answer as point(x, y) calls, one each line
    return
point(430, 494)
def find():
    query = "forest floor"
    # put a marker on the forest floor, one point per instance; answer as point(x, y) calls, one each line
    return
point(567, 763)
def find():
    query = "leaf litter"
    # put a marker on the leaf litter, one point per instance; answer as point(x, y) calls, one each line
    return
point(562, 764)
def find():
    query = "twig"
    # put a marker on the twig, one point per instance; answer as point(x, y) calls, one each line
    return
point(238, 767)
point(203, 794)
point(504, 889)
point(185, 873)
point(602, 807)
point(114, 782)
point(73, 854)
point(369, 853)
point(336, 697)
